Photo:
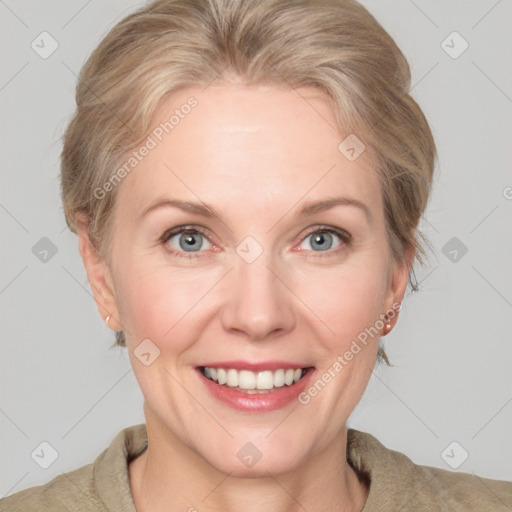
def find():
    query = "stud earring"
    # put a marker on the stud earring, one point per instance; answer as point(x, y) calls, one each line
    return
point(107, 319)
point(387, 329)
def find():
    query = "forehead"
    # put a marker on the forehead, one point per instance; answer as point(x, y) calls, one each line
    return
point(250, 143)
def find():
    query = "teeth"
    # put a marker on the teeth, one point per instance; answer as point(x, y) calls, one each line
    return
point(253, 382)
point(247, 380)
point(232, 378)
point(221, 375)
point(276, 380)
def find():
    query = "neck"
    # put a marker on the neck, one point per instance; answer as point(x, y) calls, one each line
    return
point(170, 476)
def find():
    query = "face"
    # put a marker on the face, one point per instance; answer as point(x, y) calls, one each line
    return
point(277, 259)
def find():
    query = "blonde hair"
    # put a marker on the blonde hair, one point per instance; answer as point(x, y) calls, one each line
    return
point(336, 46)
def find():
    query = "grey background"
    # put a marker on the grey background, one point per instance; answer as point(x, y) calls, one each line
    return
point(451, 349)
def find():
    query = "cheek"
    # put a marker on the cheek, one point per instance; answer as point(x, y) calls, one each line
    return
point(349, 300)
point(155, 302)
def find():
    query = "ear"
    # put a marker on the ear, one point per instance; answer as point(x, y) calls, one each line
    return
point(398, 284)
point(98, 275)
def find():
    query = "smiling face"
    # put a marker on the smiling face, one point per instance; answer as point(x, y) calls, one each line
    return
point(315, 272)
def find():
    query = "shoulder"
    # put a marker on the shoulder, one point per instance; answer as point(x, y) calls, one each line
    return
point(396, 483)
point(464, 491)
point(65, 492)
point(97, 487)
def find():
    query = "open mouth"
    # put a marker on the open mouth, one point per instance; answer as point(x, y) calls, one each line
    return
point(246, 381)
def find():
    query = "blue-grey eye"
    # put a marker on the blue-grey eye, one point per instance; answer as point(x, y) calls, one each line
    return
point(321, 240)
point(190, 241)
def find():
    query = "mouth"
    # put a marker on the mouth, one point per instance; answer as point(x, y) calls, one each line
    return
point(254, 382)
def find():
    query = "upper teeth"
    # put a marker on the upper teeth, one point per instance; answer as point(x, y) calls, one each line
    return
point(245, 379)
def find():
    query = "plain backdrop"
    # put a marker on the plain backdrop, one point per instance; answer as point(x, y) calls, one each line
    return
point(449, 390)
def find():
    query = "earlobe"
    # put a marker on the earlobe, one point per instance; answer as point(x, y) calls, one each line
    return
point(98, 274)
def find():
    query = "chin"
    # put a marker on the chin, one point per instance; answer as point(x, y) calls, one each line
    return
point(247, 460)
point(261, 468)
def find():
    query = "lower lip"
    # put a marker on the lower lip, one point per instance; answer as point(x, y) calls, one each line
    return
point(262, 402)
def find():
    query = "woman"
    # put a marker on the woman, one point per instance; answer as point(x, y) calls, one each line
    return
point(246, 180)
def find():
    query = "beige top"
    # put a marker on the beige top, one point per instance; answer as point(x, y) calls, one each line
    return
point(396, 483)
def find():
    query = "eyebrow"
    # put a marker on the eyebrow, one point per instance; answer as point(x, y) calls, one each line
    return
point(307, 209)
point(320, 206)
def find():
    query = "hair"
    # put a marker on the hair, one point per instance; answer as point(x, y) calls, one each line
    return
point(336, 46)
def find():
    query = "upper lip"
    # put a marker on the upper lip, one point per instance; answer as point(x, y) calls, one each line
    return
point(255, 367)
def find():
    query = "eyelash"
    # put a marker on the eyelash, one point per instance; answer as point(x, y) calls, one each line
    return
point(344, 236)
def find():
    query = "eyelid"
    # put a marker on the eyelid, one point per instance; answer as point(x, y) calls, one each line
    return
point(177, 230)
point(342, 233)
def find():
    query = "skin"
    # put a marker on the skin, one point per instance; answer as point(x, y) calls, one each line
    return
point(256, 155)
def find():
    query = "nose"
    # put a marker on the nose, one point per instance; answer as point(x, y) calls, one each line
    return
point(258, 304)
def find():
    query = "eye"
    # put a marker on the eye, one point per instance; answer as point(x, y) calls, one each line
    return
point(183, 241)
point(186, 239)
point(324, 239)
